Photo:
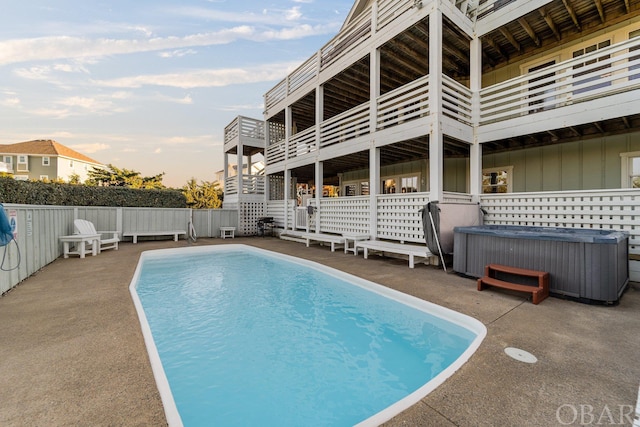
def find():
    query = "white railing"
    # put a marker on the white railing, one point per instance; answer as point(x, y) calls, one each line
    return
point(301, 218)
point(613, 70)
point(487, 7)
point(353, 35)
point(456, 100)
point(251, 128)
point(303, 142)
point(275, 153)
point(231, 131)
point(251, 184)
point(275, 95)
point(347, 125)
point(276, 209)
point(399, 217)
point(388, 10)
point(405, 103)
point(303, 74)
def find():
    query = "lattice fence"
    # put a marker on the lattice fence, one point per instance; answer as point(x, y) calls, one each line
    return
point(344, 214)
point(399, 217)
point(250, 212)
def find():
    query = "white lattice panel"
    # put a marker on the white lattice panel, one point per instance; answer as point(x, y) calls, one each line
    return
point(344, 214)
point(399, 217)
point(250, 212)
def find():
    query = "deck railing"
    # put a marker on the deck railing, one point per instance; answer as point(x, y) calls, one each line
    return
point(405, 103)
point(609, 71)
point(345, 126)
point(456, 100)
point(388, 10)
point(351, 36)
point(303, 142)
point(251, 184)
point(275, 153)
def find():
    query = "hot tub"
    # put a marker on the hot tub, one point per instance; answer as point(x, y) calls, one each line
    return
point(587, 264)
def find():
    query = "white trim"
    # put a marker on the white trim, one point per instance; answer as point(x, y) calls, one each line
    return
point(626, 168)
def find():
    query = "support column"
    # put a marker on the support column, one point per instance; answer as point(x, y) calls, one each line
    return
point(374, 189)
point(240, 166)
point(287, 189)
point(436, 138)
point(226, 170)
point(475, 155)
point(288, 125)
point(319, 182)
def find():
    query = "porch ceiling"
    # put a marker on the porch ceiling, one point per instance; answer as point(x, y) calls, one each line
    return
point(555, 23)
point(401, 152)
point(615, 126)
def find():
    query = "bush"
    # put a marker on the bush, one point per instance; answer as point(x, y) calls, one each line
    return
point(41, 193)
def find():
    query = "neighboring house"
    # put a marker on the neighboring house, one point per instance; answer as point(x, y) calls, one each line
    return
point(530, 107)
point(46, 159)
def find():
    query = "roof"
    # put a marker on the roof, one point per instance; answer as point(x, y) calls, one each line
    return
point(45, 147)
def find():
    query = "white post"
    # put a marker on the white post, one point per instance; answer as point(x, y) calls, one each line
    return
point(240, 165)
point(287, 186)
point(436, 139)
point(374, 189)
point(319, 183)
point(475, 154)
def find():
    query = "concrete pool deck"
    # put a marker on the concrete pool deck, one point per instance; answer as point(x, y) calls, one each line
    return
point(72, 352)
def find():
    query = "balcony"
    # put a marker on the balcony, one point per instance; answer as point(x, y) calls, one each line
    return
point(246, 131)
point(251, 185)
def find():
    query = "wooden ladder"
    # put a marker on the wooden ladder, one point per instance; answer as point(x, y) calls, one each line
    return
point(539, 292)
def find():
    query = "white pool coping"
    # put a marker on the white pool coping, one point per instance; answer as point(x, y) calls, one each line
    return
point(467, 322)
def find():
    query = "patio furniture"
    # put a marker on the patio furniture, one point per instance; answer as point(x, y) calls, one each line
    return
point(381, 246)
point(333, 239)
point(84, 227)
point(136, 234)
point(80, 244)
point(353, 237)
point(227, 232)
point(265, 225)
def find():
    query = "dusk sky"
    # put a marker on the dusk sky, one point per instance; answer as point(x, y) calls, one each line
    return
point(150, 85)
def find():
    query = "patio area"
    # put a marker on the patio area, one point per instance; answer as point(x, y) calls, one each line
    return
point(72, 351)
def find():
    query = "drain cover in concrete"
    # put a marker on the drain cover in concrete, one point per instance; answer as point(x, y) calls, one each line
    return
point(520, 355)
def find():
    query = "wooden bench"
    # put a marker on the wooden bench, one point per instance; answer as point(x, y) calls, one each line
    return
point(136, 234)
point(413, 251)
point(539, 292)
point(333, 239)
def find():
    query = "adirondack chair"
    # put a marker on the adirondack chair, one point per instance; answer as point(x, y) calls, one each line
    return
point(83, 226)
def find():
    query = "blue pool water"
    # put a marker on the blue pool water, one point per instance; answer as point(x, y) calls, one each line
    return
point(248, 337)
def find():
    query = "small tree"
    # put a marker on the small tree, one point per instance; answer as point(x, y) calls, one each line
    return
point(206, 195)
point(116, 177)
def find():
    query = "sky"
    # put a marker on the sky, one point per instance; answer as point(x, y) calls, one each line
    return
point(150, 85)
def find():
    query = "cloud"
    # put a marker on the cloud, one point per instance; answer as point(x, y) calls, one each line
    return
point(90, 148)
point(84, 49)
point(178, 53)
point(11, 101)
point(205, 78)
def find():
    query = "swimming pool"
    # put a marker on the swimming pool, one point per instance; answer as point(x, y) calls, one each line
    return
point(242, 336)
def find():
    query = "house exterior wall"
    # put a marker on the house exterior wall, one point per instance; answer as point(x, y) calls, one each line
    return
point(592, 164)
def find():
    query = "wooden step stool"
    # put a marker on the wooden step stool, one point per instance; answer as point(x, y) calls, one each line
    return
point(539, 292)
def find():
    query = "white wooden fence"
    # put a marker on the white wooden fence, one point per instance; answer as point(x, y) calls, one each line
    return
point(39, 228)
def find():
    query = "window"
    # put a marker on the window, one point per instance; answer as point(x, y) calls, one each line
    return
point(44, 177)
point(8, 160)
point(46, 161)
point(541, 92)
point(23, 166)
point(582, 84)
point(630, 169)
point(497, 180)
point(388, 186)
point(356, 188)
point(401, 184)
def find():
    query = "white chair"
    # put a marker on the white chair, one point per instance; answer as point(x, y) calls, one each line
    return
point(83, 226)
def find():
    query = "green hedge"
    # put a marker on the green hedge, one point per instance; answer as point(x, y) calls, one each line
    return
point(41, 193)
